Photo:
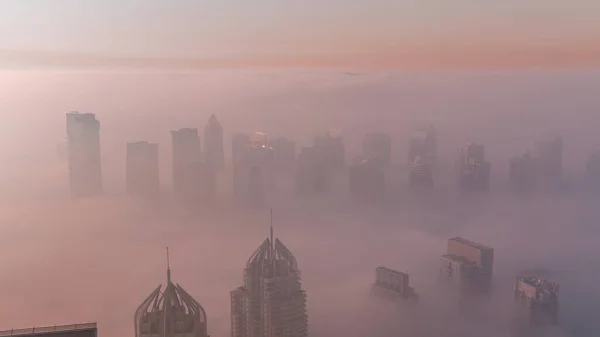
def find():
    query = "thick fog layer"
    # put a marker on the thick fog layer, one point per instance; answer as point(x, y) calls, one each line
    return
point(67, 261)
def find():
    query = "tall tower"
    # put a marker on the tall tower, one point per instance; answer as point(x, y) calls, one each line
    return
point(142, 169)
point(186, 150)
point(213, 144)
point(85, 165)
point(271, 303)
point(170, 313)
point(422, 155)
point(253, 171)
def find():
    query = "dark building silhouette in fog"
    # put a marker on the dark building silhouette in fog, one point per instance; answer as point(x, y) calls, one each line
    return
point(392, 284)
point(313, 176)
point(378, 147)
point(238, 144)
point(367, 179)
point(271, 303)
point(253, 172)
point(73, 330)
point(521, 176)
point(536, 301)
point(547, 155)
point(142, 178)
point(592, 173)
point(185, 150)
point(170, 313)
point(422, 155)
point(85, 163)
point(213, 144)
point(468, 264)
point(334, 152)
point(285, 154)
point(473, 171)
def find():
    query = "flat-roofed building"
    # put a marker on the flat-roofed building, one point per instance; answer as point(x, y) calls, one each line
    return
point(73, 330)
point(468, 264)
point(473, 171)
point(85, 162)
point(481, 255)
point(392, 283)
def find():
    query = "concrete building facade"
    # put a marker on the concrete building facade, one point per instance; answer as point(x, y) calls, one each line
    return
point(73, 330)
point(85, 163)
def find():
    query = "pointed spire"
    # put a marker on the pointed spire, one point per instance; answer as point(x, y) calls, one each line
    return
point(168, 267)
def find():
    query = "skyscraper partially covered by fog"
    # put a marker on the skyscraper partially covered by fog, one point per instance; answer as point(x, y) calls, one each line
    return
point(170, 313)
point(253, 171)
point(473, 171)
point(313, 175)
point(422, 155)
point(334, 152)
point(141, 169)
point(521, 176)
point(213, 144)
point(548, 156)
point(378, 147)
point(85, 164)
point(186, 150)
point(271, 303)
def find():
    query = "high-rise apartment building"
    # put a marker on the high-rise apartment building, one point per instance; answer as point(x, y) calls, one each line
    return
point(473, 171)
point(536, 307)
point(422, 155)
point(313, 175)
point(253, 171)
point(271, 303)
point(186, 150)
point(393, 284)
point(85, 164)
point(213, 144)
point(469, 264)
point(378, 148)
point(142, 176)
point(170, 313)
point(521, 175)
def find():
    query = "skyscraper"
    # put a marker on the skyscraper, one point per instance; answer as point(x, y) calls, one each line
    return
point(142, 169)
point(85, 164)
point(171, 313)
point(378, 147)
point(547, 155)
point(253, 171)
point(285, 154)
point(186, 150)
point(422, 155)
point(334, 152)
point(271, 303)
point(472, 169)
point(213, 144)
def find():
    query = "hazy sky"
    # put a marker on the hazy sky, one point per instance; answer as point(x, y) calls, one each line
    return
point(200, 28)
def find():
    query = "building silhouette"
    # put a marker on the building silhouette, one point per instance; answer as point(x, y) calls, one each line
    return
point(521, 175)
point(313, 176)
point(85, 163)
point(548, 162)
point(367, 179)
point(378, 147)
point(536, 311)
point(238, 144)
point(420, 173)
point(473, 171)
point(213, 144)
point(422, 156)
point(392, 284)
point(468, 264)
point(170, 313)
point(271, 303)
point(185, 150)
point(73, 330)
point(285, 154)
point(334, 152)
point(142, 178)
point(253, 171)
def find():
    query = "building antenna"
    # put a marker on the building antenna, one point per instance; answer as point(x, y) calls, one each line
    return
point(168, 267)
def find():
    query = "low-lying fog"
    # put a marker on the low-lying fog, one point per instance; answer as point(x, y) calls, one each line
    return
point(68, 261)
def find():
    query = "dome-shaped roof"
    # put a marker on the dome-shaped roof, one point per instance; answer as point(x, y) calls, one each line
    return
point(172, 312)
point(270, 252)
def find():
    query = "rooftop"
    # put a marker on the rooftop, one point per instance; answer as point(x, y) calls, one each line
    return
point(470, 243)
point(458, 259)
point(49, 329)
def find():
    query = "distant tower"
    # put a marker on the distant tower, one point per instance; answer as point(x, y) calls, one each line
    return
point(170, 313)
point(473, 171)
point(536, 305)
point(378, 147)
point(272, 302)
point(422, 156)
point(285, 154)
point(186, 150)
point(85, 166)
point(548, 157)
point(521, 176)
point(313, 175)
point(238, 143)
point(334, 152)
point(253, 171)
point(213, 144)
point(142, 169)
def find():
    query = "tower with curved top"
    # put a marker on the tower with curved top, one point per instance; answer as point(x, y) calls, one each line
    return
point(271, 303)
point(172, 312)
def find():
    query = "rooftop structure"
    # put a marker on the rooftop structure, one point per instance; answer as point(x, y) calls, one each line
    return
point(213, 144)
point(170, 313)
point(392, 283)
point(85, 162)
point(73, 330)
point(272, 302)
point(539, 298)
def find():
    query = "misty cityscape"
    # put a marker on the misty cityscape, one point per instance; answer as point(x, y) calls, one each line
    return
point(339, 221)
